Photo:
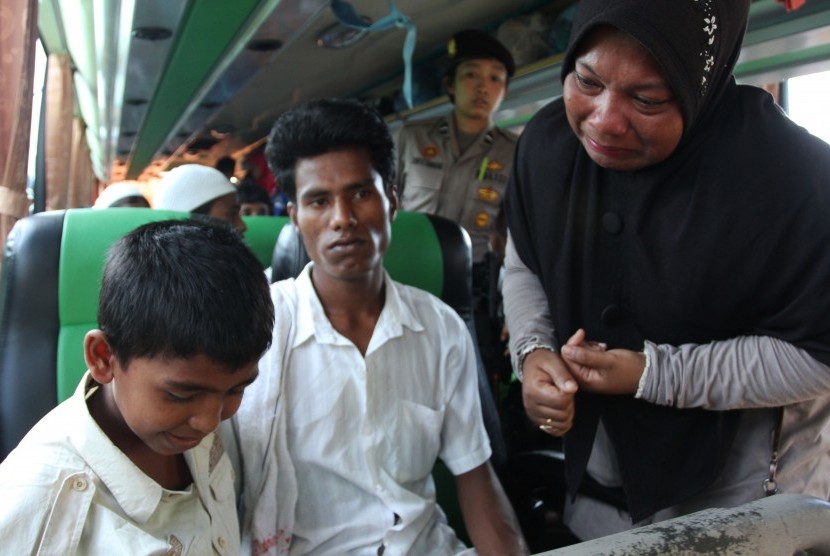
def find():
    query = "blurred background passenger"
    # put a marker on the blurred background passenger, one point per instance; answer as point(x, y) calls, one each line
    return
point(253, 200)
point(199, 189)
point(227, 166)
point(121, 194)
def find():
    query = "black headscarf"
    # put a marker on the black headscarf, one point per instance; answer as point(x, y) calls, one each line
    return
point(727, 237)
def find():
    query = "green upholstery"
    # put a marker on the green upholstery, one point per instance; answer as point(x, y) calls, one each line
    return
point(422, 267)
point(262, 235)
point(415, 255)
point(87, 235)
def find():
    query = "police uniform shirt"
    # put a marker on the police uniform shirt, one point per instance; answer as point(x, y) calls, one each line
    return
point(434, 177)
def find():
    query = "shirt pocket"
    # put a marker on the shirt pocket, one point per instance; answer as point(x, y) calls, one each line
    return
point(422, 189)
point(412, 441)
point(112, 534)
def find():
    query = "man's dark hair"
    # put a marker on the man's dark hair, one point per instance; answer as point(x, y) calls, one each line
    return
point(250, 192)
point(181, 288)
point(323, 126)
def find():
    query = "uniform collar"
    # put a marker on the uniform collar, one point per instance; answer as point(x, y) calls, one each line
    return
point(446, 127)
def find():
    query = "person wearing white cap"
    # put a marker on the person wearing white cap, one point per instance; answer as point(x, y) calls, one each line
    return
point(199, 189)
point(121, 194)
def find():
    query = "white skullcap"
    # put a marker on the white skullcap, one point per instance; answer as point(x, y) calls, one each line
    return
point(190, 186)
point(116, 192)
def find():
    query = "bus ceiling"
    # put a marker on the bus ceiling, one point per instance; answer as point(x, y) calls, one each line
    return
point(163, 82)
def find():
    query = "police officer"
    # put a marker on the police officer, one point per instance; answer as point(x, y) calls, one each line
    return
point(457, 165)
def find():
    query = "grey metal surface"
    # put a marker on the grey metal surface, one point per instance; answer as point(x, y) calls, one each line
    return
point(779, 525)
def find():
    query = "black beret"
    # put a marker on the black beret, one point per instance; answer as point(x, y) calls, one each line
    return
point(472, 43)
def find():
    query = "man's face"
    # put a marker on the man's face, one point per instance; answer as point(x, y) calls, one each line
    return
point(479, 87)
point(226, 208)
point(343, 214)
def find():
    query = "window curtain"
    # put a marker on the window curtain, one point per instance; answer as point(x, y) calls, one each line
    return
point(18, 32)
point(70, 182)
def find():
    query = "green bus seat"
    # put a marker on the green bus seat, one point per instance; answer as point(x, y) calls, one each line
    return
point(49, 288)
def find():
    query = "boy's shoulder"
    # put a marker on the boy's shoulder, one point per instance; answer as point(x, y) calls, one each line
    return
point(50, 443)
point(43, 479)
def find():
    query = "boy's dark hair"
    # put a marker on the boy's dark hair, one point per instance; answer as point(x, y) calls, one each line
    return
point(250, 192)
point(181, 288)
point(323, 126)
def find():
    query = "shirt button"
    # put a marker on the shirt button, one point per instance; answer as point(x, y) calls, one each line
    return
point(79, 484)
point(612, 223)
point(221, 542)
point(611, 315)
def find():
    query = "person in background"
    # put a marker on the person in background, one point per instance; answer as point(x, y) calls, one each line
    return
point(130, 464)
point(226, 165)
point(121, 194)
point(202, 190)
point(457, 166)
point(253, 200)
point(368, 381)
point(667, 272)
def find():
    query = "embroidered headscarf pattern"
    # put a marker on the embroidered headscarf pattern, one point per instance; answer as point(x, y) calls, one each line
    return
point(707, 52)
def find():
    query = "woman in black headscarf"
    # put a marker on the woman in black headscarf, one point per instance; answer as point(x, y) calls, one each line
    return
point(679, 222)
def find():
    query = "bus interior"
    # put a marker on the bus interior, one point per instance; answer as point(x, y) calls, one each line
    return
point(159, 83)
point(144, 86)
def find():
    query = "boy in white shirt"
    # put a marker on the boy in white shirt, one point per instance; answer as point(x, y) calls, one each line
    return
point(130, 463)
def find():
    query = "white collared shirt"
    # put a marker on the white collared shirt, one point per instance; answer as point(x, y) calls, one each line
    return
point(363, 433)
point(67, 489)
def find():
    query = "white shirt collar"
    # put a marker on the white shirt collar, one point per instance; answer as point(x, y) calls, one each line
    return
point(312, 320)
point(136, 493)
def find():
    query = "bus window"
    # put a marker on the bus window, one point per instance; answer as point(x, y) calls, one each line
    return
point(807, 103)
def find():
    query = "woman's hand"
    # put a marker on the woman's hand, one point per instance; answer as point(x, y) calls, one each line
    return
point(548, 391)
point(615, 371)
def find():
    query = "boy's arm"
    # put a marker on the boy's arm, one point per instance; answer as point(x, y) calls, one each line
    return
point(488, 515)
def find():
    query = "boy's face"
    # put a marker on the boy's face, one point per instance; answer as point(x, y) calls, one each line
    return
point(170, 405)
point(343, 213)
point(254, 209)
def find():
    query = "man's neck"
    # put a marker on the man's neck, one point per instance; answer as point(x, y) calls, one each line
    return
point(352, 306)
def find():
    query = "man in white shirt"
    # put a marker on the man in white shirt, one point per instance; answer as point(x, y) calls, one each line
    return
point(368, 381)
